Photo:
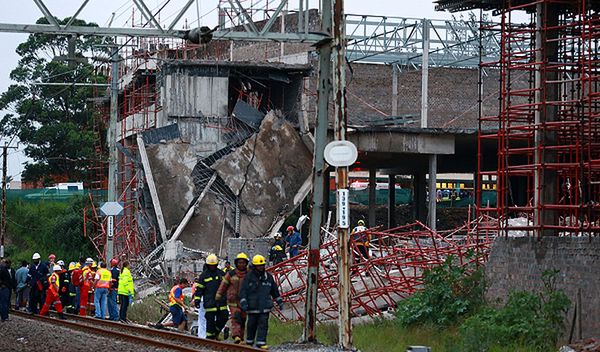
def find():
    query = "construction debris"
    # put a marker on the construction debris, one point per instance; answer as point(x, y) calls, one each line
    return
point(394, 270)
point(266, 173)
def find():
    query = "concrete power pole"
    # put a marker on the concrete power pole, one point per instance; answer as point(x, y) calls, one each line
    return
point(111, 139)
point(339, 94)
point(319, 174)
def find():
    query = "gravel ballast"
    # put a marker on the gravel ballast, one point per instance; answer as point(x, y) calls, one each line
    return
point(22, 334)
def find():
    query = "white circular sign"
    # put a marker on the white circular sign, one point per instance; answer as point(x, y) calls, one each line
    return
point(341, 153)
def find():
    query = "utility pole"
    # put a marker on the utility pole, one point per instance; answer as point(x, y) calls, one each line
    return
point(4, 178)
point(339, 93)
point(314, 256)
point(111, 138)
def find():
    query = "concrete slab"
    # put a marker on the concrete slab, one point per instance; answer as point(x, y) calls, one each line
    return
point(266, 173)
point(172, 165)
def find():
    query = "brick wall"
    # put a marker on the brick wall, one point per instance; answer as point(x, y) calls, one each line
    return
point(453, 94)
point(518, 263)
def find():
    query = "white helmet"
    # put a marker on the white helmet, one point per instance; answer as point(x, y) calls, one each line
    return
point(61, 263)
point(57, 268)
point(89, 261)
point(36, 256)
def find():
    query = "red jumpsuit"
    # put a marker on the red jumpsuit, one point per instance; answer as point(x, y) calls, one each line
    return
point(230, 286)
point(52, 296)
point(86, 283)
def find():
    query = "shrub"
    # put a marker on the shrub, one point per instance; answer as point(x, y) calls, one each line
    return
point(450, 292)
point(534, 319)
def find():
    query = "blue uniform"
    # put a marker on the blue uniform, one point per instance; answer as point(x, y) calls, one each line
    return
point(294, 242)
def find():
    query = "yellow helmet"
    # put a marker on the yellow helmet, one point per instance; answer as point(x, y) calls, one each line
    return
point(277, 248)
point(78, 266)
point(258, 260)
point(361, 222)
point(71, 266)
point(212, 260)
point(94, 264)
point(243, 256)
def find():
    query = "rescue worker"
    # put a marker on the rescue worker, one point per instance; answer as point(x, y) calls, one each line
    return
point(85, 286)
point(6, 286)
point(22, 289)
point(65, 282)
point(77, 281)
point(125, 291)
point(294, 241)
point(230, 288)
point(51, 259)
point(177, 305)
point(36, 280)
point(73, 307)
point(277, 251)
point(361, 240)
point(206, 287)
point(256, 298)
point(102, 281)
point(91, 303)
point(113, 308)
point(52, 293)
point(227, 267)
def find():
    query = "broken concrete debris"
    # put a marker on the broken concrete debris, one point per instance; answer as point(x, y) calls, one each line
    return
point(266, 173)
point(244, 188)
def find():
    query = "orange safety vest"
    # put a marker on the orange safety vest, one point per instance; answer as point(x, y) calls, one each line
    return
point(54, 283)
point(86, 274)
point(103, 278)
point(172, 300)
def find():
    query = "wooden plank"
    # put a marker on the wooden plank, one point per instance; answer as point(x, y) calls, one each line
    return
point(190, 211)
point(152, 187)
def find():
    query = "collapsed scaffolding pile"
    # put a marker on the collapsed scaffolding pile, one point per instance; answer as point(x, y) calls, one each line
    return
point(398, 259)
point(548, 129)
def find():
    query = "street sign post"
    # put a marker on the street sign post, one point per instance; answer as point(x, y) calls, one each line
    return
point(110, 210)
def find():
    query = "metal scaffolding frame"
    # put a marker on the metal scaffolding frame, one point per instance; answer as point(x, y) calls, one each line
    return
point(548, 131)
point(401, 41)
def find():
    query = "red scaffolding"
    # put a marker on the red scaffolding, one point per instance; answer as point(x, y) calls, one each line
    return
point(546, 130)
point(394, 270)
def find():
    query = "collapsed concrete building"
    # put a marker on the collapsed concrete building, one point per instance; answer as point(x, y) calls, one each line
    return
point(201, 163)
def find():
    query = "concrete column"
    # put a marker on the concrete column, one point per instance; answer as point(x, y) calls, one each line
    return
point(547, 15)
point(372, 196)
point(419, 199)
point(394, 89)
point(392, 201)
point(432, 218)
point(425, 75)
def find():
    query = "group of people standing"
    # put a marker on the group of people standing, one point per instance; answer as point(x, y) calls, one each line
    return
point(79, 288)
point(243, 294)
point(292, 243)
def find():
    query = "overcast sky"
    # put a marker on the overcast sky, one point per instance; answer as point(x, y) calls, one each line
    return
point(26, 12)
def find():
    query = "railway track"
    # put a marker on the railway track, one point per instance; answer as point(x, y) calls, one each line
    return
point(140, 334)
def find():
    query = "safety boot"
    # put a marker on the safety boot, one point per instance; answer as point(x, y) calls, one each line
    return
point(237, 340)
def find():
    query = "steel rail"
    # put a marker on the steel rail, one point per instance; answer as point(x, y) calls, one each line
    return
point(124, 331)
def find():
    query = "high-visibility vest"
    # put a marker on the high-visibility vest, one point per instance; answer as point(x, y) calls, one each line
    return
point(54, 282)
point(103, 278)
point(86, 274)
point(172, 300)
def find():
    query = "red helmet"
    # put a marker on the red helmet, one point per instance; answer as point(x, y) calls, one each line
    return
point(114, 262)
point(290, 228)
point(51, 257)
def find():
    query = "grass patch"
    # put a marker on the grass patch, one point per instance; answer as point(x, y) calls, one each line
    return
point(146, 310)
point(383, 336)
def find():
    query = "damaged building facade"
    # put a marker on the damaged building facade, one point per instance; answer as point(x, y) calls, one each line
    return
point(215, 140)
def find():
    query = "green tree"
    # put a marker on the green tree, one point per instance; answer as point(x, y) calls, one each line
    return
point(54, 122)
